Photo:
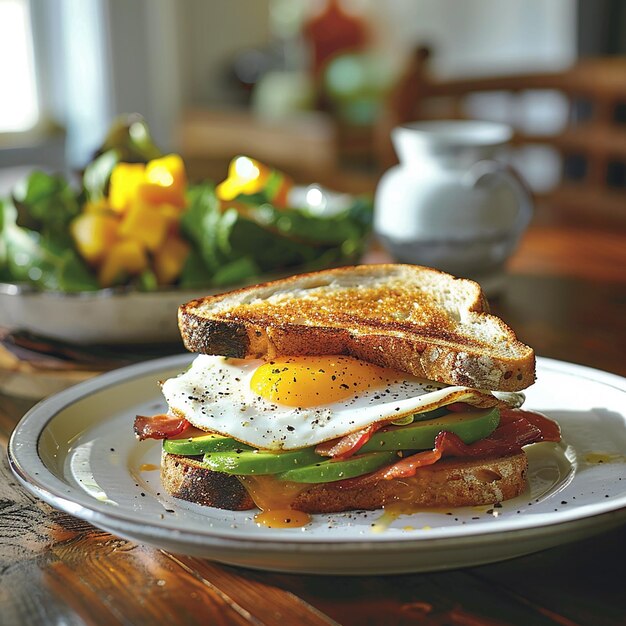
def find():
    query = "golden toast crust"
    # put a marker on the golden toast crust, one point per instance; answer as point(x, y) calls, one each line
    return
point(410, 318)
point(185, 478)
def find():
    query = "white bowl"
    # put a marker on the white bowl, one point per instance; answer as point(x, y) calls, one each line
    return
point(108, 316)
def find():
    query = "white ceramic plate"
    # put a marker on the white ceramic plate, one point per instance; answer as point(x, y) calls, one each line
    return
point(76, 451)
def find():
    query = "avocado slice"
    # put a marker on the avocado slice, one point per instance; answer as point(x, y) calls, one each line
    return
point(332, 470)
point(259, 461)
point(470, 426)
point(209, 442)
point(225, 454)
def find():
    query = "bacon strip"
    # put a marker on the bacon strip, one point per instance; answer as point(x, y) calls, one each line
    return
point(159, 426)
point(345, 447)
point(517, 428)
point(550, 430)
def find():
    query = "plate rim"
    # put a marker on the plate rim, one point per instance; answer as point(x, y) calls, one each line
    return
point(38, 417)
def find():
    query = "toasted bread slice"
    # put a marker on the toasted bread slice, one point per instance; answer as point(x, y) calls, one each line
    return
point(186, 478)
point(447, 483)
point(406, 317)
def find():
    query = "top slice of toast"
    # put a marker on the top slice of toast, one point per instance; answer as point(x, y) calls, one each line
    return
point(411, 318)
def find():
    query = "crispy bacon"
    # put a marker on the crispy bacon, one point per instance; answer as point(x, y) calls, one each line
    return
point(550, 430)
point(345, 447)
point(159, 426)
point(516, 429)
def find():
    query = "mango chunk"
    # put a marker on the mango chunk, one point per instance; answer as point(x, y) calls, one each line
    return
point(165, 181)
point(169, 260)
point(124, 182)
point(168, 171)
point(94, 234)
point(171, 214)
point(249, 176)
point(145, 224)
point(126, 257)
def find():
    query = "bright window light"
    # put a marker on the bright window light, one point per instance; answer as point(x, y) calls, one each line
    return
point(19, 109)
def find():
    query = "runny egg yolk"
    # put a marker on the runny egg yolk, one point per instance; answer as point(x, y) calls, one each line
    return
point(307, 381)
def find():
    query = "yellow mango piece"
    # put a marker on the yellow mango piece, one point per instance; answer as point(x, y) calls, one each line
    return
point(245, 175)
point(94, 234)
point(124, 183)
point(249, 176)
point(127, 257)
point(150, 193)
point(165, 181)
point(146, 224)
point(167, 171)
point(228, 189)
point(169, 260)
point(171, 214)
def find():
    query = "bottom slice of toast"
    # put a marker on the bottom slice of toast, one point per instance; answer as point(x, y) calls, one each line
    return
point(448, 483)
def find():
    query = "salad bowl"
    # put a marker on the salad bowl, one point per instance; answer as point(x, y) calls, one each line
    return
point(110, 259)
point(106, 316)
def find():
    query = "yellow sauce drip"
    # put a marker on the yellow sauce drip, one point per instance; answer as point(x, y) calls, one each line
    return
point(394, 510)
point(282, 518)
point(274, 498)
point(148, 467)
point(603, 457)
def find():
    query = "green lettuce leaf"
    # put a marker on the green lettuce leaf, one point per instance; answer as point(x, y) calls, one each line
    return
point(194, 274)
point(243, 241)
point(46, 203)
point(42, 260)
point(97, 175)
point(201, 224)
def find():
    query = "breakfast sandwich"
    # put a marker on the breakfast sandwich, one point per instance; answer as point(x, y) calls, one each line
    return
point(353, 388)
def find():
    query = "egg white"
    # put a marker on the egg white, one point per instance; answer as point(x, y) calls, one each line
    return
point(214, 394)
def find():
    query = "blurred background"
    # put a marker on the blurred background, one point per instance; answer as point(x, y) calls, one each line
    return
point(155, 150)
point(314, 86)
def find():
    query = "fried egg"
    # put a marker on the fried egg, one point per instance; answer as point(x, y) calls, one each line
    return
point(294, 402)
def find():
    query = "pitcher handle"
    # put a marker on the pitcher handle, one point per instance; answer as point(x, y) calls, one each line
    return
point(483, 170)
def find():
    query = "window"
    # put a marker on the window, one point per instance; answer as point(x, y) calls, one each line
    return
point(19, 107)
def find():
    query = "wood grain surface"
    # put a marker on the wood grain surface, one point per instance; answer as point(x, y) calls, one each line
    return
point(56, 569)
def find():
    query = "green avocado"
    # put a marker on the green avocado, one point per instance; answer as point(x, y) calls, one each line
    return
point(331, 470)
point(470, 426)
point(259, 461)
point(203, 443)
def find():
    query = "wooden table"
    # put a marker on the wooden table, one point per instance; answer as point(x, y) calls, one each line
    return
point(566, 296)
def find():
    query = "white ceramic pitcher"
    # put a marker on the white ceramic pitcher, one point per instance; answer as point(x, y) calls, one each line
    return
point(449, 204)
